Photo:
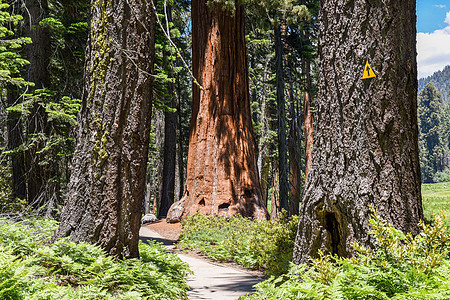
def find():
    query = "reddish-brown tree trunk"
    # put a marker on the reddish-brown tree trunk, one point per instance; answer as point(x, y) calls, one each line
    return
point(308, 116)
point(222, 177)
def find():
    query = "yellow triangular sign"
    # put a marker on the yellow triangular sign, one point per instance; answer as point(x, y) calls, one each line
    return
point(368, 72)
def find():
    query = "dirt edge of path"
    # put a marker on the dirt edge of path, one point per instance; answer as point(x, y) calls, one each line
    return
point(172, 231)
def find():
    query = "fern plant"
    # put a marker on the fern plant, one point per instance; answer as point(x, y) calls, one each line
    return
point(33, 268)
point(400, 267)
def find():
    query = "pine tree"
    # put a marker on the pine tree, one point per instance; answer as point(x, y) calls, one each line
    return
point(10, 80)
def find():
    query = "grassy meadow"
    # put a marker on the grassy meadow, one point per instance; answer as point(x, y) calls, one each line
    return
point(436, 197)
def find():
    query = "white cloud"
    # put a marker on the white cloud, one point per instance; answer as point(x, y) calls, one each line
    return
point(439, 5)
point(433, 50)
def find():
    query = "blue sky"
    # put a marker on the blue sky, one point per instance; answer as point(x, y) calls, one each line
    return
point(433, 35)
point(431, 14)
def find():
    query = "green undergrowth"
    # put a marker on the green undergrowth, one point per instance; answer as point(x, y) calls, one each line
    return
point(33, 268)
point(436, 197)
point(255, 244)
point(401, 267)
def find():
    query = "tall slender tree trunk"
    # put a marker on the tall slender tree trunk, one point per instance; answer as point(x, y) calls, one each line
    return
point(265, 142)
point(222, 176)
point(39, 188)
point(15, 139)
point(106, 188)
point(307, 115)
point(275, 193)
point(295, 157)
point(167, 192)
point(365, 143)
point(180, 148)
point(282, 143)
point(158, 162)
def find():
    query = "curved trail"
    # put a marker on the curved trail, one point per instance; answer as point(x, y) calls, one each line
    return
point(210, 281)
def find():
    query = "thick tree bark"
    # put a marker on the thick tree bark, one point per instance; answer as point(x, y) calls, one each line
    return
point(106, 188)
point(282, 144)
point(222, 176)
point(365, 143)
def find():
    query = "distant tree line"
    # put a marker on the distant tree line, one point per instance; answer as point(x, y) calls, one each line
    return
point(434, 135)
point(441, 81)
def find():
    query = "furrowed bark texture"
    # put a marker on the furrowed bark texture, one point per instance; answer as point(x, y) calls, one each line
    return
point(365, 143)
point(106, 189)
point(222, 177)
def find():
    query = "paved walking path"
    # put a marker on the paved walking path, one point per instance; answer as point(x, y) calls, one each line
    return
point(210, 281)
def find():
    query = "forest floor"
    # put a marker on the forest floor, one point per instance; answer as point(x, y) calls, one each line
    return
point(211, 280)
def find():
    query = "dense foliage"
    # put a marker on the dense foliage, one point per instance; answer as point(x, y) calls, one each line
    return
point(264, 245)
point(10, 61)
point(431, 138)
point(40, 116)
point(401, 267)
point(441, 80)
point(434, 115)
point(31, 267)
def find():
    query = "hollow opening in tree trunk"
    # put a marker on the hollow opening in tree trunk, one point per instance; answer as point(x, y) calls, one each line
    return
point(202, 202)
point(248, 193)
point(332, 226)
point(223, 208)
point(224, 205)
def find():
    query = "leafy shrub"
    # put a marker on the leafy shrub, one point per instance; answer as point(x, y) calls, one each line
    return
point(256, 244)
point(32, 268)
point(401, 267)
point(442, 176)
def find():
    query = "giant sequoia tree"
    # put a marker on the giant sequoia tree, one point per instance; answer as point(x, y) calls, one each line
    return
point(106, 188)
point(365, 143)
point(222, 175)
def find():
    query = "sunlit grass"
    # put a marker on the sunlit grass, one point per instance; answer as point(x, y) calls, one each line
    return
point(436, 197)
